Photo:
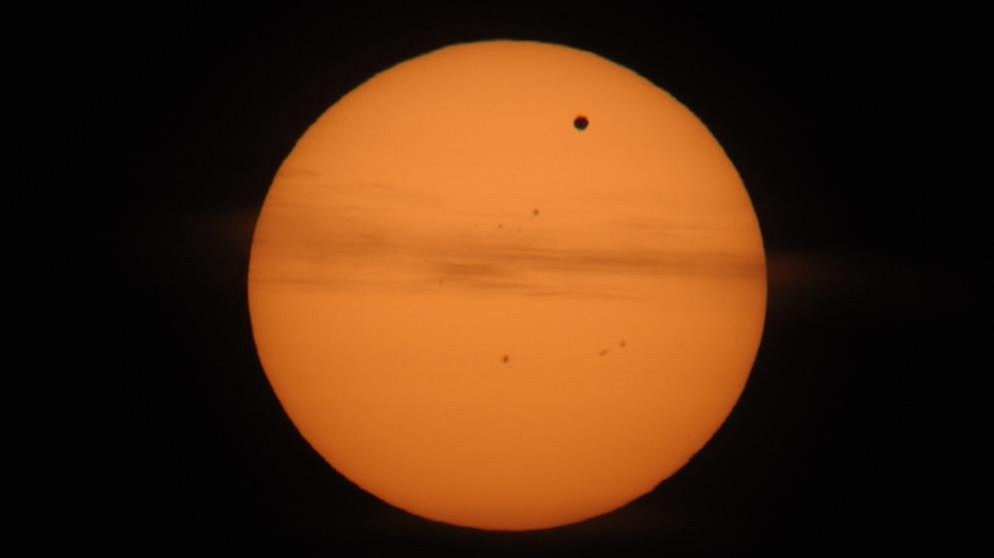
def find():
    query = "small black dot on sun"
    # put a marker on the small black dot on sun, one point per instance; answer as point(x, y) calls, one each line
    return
point(581, 122)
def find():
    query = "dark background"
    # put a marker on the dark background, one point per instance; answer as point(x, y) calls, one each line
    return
point(163, 130)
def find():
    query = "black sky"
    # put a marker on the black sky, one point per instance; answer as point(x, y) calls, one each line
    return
point(846, 128)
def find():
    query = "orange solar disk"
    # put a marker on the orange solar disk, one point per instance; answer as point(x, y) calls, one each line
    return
point(507, 285)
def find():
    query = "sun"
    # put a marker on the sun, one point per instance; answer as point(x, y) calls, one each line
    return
point(507, 285)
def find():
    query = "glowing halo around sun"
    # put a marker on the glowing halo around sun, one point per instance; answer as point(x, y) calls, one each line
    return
point(507, 285)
